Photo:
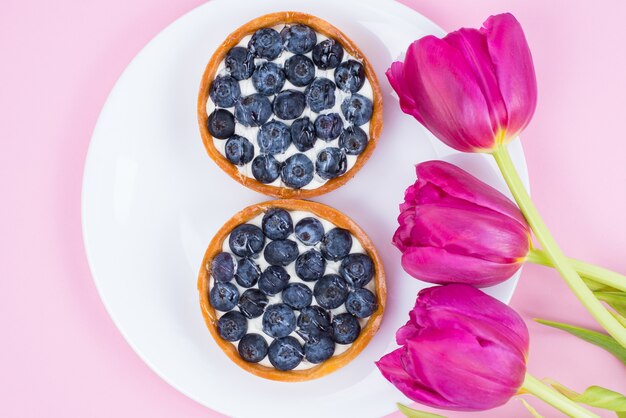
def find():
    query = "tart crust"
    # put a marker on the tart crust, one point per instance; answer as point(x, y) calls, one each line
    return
point(340, 220)
point(320, 26)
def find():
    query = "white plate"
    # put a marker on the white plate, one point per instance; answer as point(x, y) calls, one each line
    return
point(152, 200)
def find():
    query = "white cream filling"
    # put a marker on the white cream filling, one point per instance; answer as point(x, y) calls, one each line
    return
point(247, 88)
point(255, 325)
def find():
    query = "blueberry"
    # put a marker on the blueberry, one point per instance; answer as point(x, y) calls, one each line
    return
point(268, 78)
point(265, 168)
point(331, 162)
point(336, 244)
point(279, 320)
point(327, 54)
point(224, 296)
point(298, 39)
point(328, 127)
point(240, 63)
point(346, 328)
point(273, 280)
point(221, 124)
point(357, 269)
point(353, 140)
point(285, 353)
point(246, 240)
point(289, 104)
point(239, 150)
point(232, 326)
point(309, 231)
point(248, 273)
point(277, 224)
point(252, 303)
point(223, 267)
point(313, 323)
point(274, 137)
point(297, 296)
point(300, 70)
point(320, 94)
point(350, 76)
point(310, 266)
point(319, 350)
point(224, 91)
point(252, 348)
point(361, 303)
point(357, 109)
point(266, 43)
point(331, 291)
point(281, 252)
point(253, 110)
point(297, 171)
point(303, 134)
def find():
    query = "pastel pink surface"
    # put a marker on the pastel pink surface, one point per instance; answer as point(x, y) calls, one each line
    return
point(62, 356)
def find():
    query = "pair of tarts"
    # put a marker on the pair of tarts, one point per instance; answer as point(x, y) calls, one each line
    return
point(290, 289)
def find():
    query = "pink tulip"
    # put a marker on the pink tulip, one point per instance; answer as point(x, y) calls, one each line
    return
point(461, 349)
point(456, 229)
point(474, 89)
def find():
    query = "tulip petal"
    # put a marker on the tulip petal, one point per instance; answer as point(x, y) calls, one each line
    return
point(402, 236)
point(446, 96)
point(463, 306)
point(392, 369)
point(460, 184)
point(397, 79)
point(475, 375)
point(407, 331)
point(473, 45)
point(436, 265)
point(514, 69)
point(468, 230)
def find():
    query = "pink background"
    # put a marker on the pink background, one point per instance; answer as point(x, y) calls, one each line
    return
point(62, 356)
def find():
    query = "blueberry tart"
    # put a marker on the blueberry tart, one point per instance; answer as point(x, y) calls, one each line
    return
point(289, 106)
point(291, 290)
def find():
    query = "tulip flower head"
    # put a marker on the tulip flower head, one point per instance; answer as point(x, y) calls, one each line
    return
point(461, 350)
point(474, 89)
point(455, 228)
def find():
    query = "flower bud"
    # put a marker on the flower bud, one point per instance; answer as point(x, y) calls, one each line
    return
point(453, 228)
point(461, 349)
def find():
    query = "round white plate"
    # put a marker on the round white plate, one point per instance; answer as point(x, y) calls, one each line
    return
point(152, 200)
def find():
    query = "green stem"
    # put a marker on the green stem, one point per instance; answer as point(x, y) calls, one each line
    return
point(556, 256)
point(556, 399)
point(619, 318)
point(590, 271)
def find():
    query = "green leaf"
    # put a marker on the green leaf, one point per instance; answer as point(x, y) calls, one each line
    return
point(616, 300)
point(414, 413)
point(595, 396)
point(600, 339)
point(603, 398)
point(595, 286)
point(532, 410)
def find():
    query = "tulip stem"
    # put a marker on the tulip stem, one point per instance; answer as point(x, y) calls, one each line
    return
point(596, 273)
point(552, 250)
point(555, 398)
